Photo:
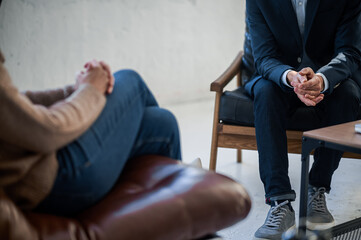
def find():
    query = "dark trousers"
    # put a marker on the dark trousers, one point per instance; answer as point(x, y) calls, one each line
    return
point(272, 108)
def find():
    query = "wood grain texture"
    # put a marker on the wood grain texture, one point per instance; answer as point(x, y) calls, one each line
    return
point(214, 146)
point(245, 138)
point(250, 131)
point(343, 134)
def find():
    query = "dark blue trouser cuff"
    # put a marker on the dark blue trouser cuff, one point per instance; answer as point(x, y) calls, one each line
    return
point(291, 196)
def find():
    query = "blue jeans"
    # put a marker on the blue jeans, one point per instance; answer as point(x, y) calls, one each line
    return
point(272, 107)
point(130, 125)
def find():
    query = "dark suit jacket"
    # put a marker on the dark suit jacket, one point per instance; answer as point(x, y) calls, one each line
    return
point(332, 39)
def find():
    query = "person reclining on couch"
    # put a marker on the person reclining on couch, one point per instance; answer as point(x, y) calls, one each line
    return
point(63, 150)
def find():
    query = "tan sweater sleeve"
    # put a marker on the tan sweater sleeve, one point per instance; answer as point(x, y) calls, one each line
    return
point(49, 97)
point(13, 224)
point(45, 129)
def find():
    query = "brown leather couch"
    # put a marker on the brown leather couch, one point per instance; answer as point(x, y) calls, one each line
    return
point(155, 198)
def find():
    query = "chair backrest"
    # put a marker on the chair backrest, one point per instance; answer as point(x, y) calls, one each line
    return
point(247, 59)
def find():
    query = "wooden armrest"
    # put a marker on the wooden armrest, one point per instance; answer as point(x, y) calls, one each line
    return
point(228, 75)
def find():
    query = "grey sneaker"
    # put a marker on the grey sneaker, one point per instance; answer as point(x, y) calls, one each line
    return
point(280, 219)
point(318, 216)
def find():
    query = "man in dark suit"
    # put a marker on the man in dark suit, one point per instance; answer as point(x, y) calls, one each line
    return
point(306, 53)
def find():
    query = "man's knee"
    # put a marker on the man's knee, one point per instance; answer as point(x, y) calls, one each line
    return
point(344, 99)
point(347, 95)
point(266, 90)
point(353, 94)
point(268, 97)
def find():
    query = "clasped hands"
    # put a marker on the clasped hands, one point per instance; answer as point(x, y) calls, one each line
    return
point(307, 86)
point(98, 74)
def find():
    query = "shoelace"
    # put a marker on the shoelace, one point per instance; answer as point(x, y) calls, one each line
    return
point(318, 200)
point(277, 214)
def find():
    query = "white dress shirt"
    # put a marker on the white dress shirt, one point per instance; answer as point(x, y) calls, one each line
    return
point(300, 9)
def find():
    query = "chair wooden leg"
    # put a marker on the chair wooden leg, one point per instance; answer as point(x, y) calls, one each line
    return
point(239, 155)
point(213, 160)
point(214, 147)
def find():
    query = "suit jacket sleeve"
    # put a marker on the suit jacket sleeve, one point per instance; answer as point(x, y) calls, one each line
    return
point(347, 57)
point(265, 50)
point(45, 129)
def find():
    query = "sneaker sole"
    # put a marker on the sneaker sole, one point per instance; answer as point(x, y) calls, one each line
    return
point(291, 228)
point(319, 226)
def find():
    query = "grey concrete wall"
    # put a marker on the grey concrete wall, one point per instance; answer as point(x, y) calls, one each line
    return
point(178, 46)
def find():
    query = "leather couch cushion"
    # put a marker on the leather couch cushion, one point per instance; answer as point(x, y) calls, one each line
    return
point(155, 198)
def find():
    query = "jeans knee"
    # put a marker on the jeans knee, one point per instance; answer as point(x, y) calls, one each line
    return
point(169, 122)
point(129, 78)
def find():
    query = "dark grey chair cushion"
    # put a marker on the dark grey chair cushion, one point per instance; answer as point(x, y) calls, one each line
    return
point(236, 108)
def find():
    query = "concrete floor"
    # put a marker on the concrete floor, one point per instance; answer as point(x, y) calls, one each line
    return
point(195, 121)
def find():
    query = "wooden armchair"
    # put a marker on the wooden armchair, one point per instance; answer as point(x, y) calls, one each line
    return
point(238, 131)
